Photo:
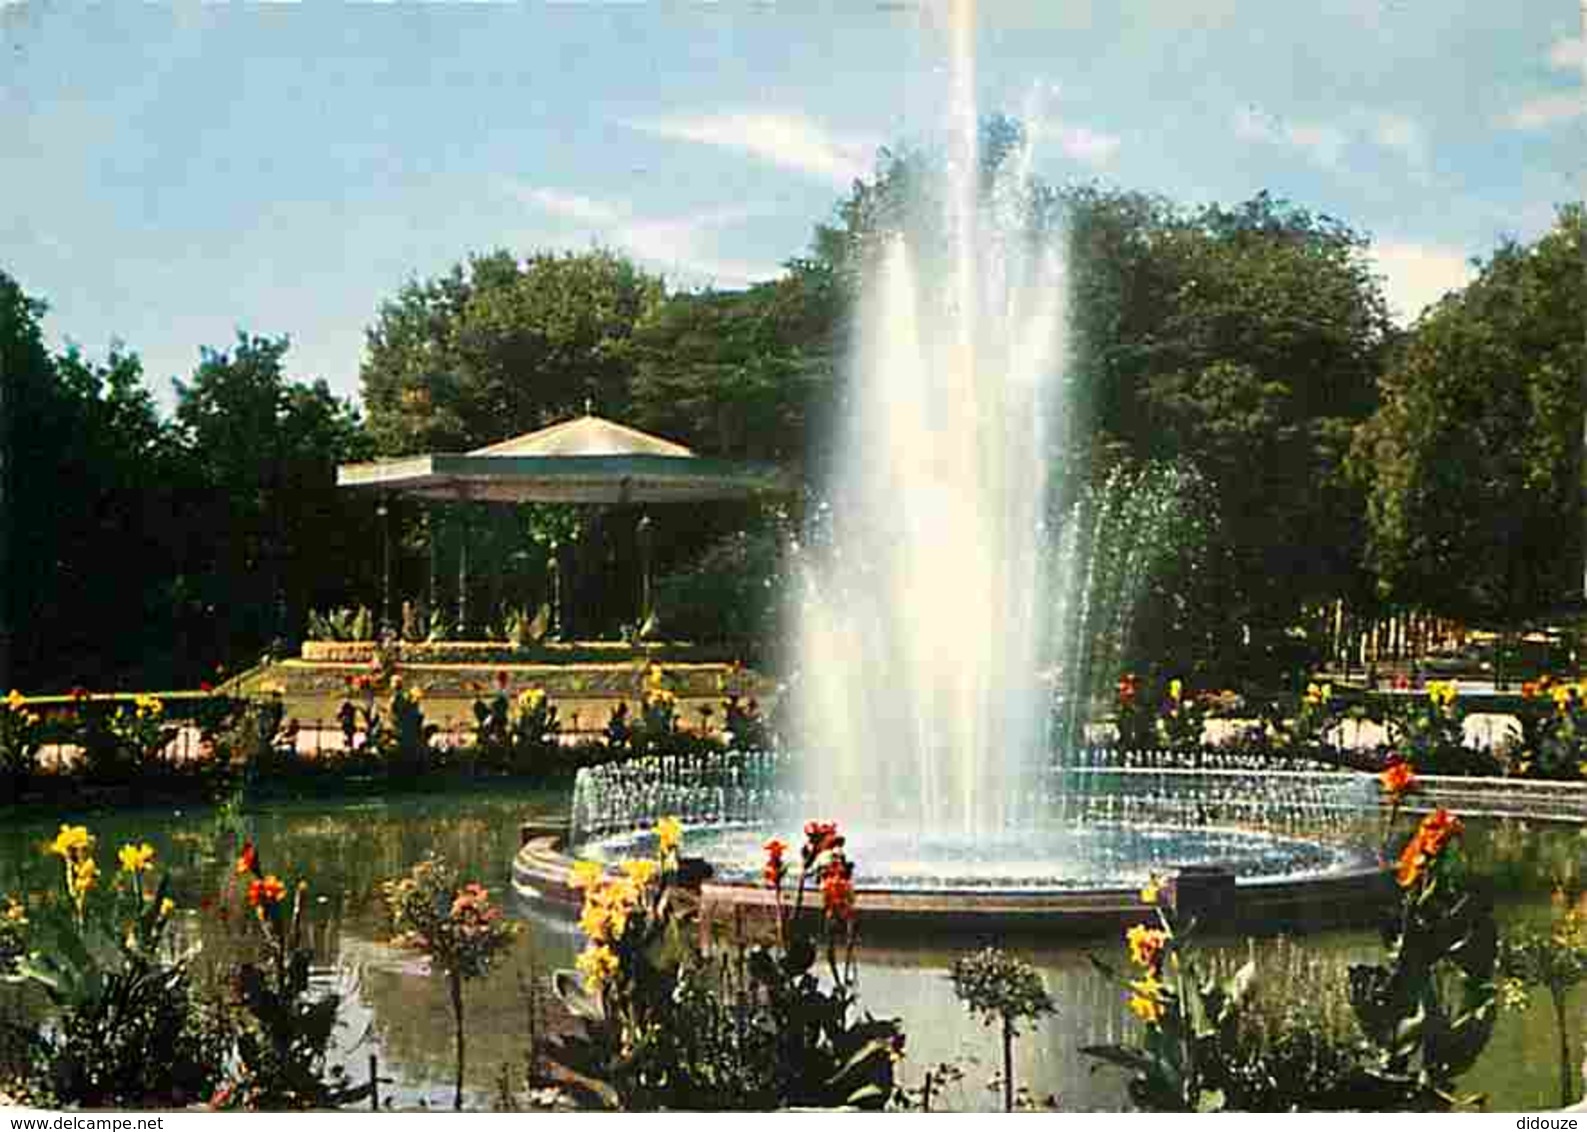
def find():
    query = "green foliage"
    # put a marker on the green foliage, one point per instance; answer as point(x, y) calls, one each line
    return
point(517, 736)
point(455, 926)
point(1428, 1010)
point(1421, 1016)
point(129, 1030)
point(1552, 742)
point(731, 594)
point(1428, 731)
point(1557, 961)
point(669, 1023)
point(1473, 459)
point(346, 624)
point(21, 733)
point(283, 1030)
point(1005, 989)
point(500, 346)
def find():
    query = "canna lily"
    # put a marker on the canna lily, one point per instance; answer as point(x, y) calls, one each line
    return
point(267, 891)
point(641, 871)
point(15, 700)
point(71, 841)
point(1398, 778)
point(1146, 999)
point(585, 874)
point(669, 832)
point(597, 963)
point(248, 860)
point(1146, 945)
point(135, 858)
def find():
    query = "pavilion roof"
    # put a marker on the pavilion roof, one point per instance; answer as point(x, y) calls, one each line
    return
point(584, 460)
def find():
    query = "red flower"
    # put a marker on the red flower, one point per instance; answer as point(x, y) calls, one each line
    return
point(270, 890)
point(205, 686)
point(820, 836)
point(1398, 778)
point(1127, 688)
point(837, 890)
point(1436, 831)
point(775, 870)
point(248, 860)
point(79, 692)
point(501, 678)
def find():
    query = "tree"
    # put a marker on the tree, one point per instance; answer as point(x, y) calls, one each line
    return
point(86, 463)
point(265, 517)
point(498, 347)
point(1473, 459)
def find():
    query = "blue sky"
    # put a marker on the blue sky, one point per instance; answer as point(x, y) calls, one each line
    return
point(172, 174)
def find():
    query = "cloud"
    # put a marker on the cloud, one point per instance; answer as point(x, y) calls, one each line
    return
point(682, 245)
point(1087, 145)
point(1417, 275)
point(1545, 110)
point(1399, 133)
point(788, 140)
point(1322, 142)
point(1566, 54)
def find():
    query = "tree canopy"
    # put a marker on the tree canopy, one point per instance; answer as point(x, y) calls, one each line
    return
point(1474, 456)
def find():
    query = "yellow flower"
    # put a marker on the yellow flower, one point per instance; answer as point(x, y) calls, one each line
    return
point(167, 906)
point(1562, 696)
point(1146, 1003)
point(148, 705)
point(597, 964)
point(669, 831)
point(81, 876)
point(15, 700)
point(641, 872)
point(653, 678)
point(1151, 889)
point(585, 874)
point(136, 858)
point(1176, 689)
point(1441, 692)
point(1146, 944)
point(416, 695)
point(595, 921)
point(72, 839)
point(16, 913)
point(530, 699)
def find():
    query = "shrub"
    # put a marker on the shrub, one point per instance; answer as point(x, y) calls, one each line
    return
point(1005, 989)
point(283, 1032)
point(129, 1030)
point(21, 734)
point(1422, 1015)
point(455, 926)
point(670, 1023)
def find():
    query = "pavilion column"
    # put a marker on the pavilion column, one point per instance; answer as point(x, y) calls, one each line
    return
point(462, 575)
point(643, 535)
point(383, 511)
point(435, 569)
point(554, 577)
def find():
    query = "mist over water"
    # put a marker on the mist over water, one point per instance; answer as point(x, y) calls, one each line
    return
point(926, 605)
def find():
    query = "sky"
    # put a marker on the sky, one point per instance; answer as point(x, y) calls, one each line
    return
point(172, 175)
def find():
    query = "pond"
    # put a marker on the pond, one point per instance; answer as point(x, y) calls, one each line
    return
point(392, 1010)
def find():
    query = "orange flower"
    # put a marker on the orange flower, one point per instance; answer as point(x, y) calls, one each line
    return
point(774, 870)
point(1435, 832)
point(1398, 778)
point(1146, 945)
point(837, 890)
point(270, 890)
point(248, 862)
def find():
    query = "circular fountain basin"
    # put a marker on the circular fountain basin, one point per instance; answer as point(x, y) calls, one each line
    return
point(1093, 856)
point(939, 885)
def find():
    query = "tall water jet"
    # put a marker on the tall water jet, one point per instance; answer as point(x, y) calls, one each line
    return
point(925, 614)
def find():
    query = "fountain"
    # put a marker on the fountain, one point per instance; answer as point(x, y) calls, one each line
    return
point(944, 580)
